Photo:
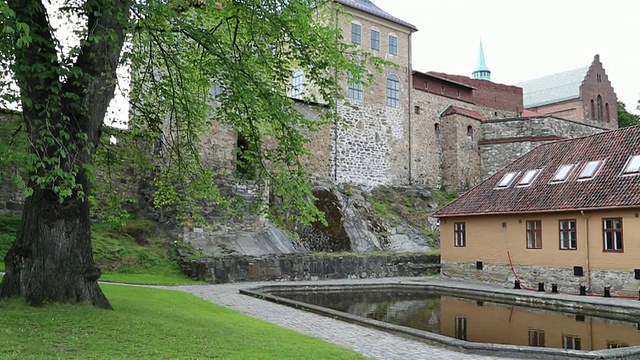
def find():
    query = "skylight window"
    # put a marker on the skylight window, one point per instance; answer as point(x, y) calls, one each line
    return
point(590, 170)
point(562, 174)
point(528, 177)
point(507, 179)
point(633, 165)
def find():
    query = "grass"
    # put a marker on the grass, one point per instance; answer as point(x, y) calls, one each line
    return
point(136, 252)
point(150, 324)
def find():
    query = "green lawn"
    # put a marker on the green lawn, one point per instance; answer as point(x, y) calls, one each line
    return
point(152, 324)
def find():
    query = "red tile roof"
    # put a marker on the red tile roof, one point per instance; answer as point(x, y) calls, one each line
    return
point(462, 111)
point(606, 190)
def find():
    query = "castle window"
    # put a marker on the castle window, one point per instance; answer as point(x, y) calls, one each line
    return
point(599, 78)
point(244, 164)
point(599, 107)
point(593, 109)
point(441, 89)
point(416, 110)
point(437, 129)
point(590, 170)
point(470, 134)
point(356, 33)
point(356, 89)
point(393, 91)
point(375, 40)
point(458, 93)
point(426, 85)
point(297, 84)
point(607, 116)
point(393, 45)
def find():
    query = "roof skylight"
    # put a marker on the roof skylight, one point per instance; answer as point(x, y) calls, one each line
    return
point(590, 170)
point(633, 165)
point(528, 177)
point(507, 179)
point(562, 173)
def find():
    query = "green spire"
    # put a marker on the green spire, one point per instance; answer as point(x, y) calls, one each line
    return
point(481, 72)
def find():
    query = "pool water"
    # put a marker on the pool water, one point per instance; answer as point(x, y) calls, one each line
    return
point(478, 321)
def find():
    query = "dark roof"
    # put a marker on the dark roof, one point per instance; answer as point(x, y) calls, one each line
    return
point(431, 75)
point(370, 8)
point(462, 111)
point(608, 189)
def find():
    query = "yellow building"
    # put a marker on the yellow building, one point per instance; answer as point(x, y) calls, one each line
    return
point(565, 213)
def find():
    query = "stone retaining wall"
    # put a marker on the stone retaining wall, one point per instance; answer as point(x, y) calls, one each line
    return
point(620, 282)
point(292, 267)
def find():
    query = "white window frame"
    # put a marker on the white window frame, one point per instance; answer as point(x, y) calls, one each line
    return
point(355, 88)
point(563, 173)
point(507, 180)
point(528, 178)
point(595, 167)
point(297, 84)
point(632, 167)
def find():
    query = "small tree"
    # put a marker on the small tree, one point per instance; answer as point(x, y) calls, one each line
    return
point(626, 118)
point(180, 48)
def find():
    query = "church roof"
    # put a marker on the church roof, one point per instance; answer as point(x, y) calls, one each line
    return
point(561, 176)
point(370, 8)
point(554, 88)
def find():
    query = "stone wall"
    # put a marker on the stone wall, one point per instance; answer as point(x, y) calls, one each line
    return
point(290, 267)
point(504, 140)
point(620, 282)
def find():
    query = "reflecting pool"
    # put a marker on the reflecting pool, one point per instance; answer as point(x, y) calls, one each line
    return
point(478, 321)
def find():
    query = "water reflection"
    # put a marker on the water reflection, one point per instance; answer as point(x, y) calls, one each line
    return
point(479, 321)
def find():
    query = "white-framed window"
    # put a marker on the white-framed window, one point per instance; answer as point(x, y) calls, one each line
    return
point(562, 174)
point(506, 180)
point(356, 33)
point(356, 89)
point(590, 170)
point(568, 234)
point(612, 235)
point(459, 235)
point(375, 39)
point(297, 84)
point(571, 342)
point(393, 91)
point(393, 45)
point(528, 177)
point(633, 166)
point(536, 337)
point(534, 234)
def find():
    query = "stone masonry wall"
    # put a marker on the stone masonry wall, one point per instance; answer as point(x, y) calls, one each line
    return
point(289, 267)
point(505, 140)
point(621, 283)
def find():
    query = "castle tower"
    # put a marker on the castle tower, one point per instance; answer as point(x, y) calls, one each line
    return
point(481, 72)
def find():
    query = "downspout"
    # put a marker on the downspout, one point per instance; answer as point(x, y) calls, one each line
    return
point(409, 71)
point(335, 121)
point(586, 235)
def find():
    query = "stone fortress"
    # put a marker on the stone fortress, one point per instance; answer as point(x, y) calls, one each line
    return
point(428, 128)
point(435, 129)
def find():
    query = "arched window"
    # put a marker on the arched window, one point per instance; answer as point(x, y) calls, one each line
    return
point(593, 109)
point(393, 91)
point(297, 84)
point(599, 107)
point(437, 128)
point(607, 116)
point(470, 133)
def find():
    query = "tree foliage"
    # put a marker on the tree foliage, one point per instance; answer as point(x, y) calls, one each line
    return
point(179, 49)
point(625, 118)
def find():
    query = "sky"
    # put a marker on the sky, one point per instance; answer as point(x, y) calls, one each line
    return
point(526, 39)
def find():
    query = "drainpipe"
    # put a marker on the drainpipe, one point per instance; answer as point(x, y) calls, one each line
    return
point(335, 121)
point(586, 235)
point(409, 69)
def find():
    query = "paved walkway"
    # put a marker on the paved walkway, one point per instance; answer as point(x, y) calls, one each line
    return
point(367, 341)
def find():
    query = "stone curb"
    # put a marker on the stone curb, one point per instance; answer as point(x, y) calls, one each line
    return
point(481, 292)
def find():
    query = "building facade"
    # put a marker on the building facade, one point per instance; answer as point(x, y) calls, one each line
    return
point(565, 213)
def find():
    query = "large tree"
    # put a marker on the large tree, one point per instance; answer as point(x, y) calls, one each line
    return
point(625, 118)
point(246, 49)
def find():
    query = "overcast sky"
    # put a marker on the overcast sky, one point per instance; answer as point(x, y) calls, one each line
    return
point(526, 39)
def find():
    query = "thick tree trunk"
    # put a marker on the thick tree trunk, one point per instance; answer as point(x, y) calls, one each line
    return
point(51, 259)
